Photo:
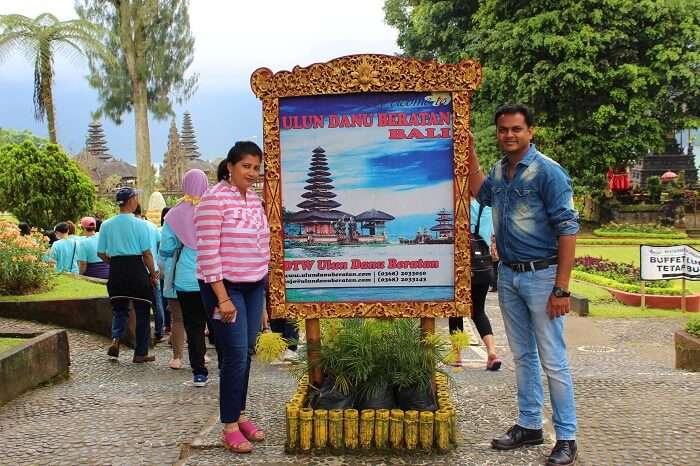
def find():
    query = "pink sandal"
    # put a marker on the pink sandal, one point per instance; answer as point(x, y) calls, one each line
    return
point(494, 364)
point(249, 429)
point(233, 441)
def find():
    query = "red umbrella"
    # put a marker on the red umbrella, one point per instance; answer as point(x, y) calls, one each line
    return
point(668, 176)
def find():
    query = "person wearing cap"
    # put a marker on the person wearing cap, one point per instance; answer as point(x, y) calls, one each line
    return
point(89, 262)
point(63, 251)
point(124, 242)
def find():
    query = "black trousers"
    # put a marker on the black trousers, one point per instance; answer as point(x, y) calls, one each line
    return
point(287, 328)
point(481, 320)
point(194, 319)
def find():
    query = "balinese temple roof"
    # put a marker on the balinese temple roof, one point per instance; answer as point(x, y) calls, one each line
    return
point(319, 186)
point(316, 172)
point(319, 179)
point(315, 195)
point(318, 204)
point(317, 215)
point(373, 215)
point(319, 150)
point(443, 227)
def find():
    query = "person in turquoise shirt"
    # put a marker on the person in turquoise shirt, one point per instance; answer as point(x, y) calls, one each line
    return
point(158, 309)
point(63, 251)
point(89, 262)
point(478, 294)
point(125, 242)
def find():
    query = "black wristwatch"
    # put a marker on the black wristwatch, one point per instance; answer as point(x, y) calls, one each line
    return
point(560, 292)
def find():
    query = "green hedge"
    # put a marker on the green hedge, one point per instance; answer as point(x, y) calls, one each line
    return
point(603, 281)
point(627, 234)
point(636, 241)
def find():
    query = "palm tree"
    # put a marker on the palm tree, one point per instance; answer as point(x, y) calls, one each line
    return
point(39, 39)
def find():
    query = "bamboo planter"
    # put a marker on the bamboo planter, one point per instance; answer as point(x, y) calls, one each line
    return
point(382, 429)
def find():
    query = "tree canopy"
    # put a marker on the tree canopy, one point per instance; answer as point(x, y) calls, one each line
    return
point(607, 80)
point(42, 186)
point(40, 39)
point(15, 136)
point(154, 48)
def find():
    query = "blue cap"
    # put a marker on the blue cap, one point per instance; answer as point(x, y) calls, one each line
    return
point(124, 194)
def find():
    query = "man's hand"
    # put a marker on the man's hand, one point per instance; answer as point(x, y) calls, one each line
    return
point(557, 307)
point(476, 177)
point(155, 279)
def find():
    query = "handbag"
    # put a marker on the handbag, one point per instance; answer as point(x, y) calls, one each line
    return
point(482, 266)
point(169, 272)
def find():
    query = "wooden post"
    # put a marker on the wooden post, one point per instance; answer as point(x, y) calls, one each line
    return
point(313, 342)
point(641, 291)
point(683, 306)
point(427, 325)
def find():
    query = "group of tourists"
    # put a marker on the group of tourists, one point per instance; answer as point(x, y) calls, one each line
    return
point(214, 256)
point(77, 254)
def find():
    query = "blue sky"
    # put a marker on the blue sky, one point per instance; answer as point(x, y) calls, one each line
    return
point(232, 40)
point(401, 177)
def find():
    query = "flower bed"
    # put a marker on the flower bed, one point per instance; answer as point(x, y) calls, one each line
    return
point(617, 275)
point(349, 429)
point(635, 241)
point(22, 269)
point(615, 230)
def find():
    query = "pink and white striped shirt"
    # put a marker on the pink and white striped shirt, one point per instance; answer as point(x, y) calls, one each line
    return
point(233, 236)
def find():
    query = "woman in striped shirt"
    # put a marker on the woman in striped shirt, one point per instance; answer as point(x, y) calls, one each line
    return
point(233, 253)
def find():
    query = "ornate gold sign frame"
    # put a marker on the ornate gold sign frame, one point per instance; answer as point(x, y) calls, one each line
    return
point(368, 73)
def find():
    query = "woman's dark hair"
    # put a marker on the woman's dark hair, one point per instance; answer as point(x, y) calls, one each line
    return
point(24, 229)
point(61, 228)
point(71, 227)
point(137, 211)
point(162, 215)
point(242, 148)
point(512, 109)
point(98, 224)
point(51, 235)
point(222, 171)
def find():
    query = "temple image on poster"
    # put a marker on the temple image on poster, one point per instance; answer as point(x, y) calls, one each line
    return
point(321, 223)
point(367, 197)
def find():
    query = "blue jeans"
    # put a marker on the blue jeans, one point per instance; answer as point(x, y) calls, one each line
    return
point(158, 312)
point(533, 338)
point(120, 319)
point(235, 343)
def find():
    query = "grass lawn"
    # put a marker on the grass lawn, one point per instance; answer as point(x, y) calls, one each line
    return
point(66, 287)
point(8, 343)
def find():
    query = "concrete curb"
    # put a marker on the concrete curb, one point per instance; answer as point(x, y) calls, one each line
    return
point(42, 358)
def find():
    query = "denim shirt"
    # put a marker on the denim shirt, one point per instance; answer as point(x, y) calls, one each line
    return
point(532, 210)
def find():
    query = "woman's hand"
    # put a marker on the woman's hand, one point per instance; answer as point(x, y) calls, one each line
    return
point(228, 311)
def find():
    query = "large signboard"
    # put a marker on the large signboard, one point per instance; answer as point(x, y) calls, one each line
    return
point(669, 262)
point(367, 197)
point(366, 187)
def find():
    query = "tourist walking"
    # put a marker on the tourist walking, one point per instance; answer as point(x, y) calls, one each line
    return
point(233, 255)
point(482, 225)
point(63, 251)
point(89, 262)
point(179, 248)
point(154, 239)
point(124, 242)
point(166, 262)
point(536, 225)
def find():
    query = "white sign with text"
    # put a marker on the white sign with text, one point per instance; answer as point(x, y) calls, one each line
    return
point(669, 262)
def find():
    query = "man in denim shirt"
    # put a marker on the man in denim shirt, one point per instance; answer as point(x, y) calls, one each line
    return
point(535, 224)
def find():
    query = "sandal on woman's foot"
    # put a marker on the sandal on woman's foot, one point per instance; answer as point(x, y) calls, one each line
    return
point(175, 363)
point(493, 364)
point(236, 442)
point(251, 431)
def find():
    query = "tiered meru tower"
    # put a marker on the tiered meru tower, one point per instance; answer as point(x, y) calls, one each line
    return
point(188, 138)
point(445, 229)
point(96, 143)
point(318, 193)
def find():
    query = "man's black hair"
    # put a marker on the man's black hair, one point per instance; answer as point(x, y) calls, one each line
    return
point(137, 211)
point(511, 109)
point(162, 215)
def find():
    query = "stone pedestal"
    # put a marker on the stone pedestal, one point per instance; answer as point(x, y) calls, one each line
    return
point(687, 351)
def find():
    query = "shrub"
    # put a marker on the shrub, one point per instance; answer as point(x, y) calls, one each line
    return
point(22, 269)
point(620, 274)
point(41, 185)
point(638, 231)
point(693, 326)
point(635, 242)
point(610, 283)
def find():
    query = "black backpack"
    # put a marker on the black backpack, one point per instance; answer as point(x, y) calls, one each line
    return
point(482, 265)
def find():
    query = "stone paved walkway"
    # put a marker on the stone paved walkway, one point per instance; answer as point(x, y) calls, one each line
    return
point(633, 407)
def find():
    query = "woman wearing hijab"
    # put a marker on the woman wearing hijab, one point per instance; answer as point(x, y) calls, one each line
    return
point(178, 246)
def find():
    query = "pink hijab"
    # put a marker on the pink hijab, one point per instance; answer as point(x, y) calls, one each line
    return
point(181, 217)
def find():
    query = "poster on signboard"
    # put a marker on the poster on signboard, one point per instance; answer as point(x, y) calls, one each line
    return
point(367, 197)
point(669, 262)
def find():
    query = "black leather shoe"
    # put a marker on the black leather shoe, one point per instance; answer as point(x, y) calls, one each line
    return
point(563, 454)
point(517, 437)
point(113, 350)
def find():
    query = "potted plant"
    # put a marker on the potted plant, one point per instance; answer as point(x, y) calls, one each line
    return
point(688, 345)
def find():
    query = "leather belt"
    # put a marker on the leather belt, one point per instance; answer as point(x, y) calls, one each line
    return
point(532, 265)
